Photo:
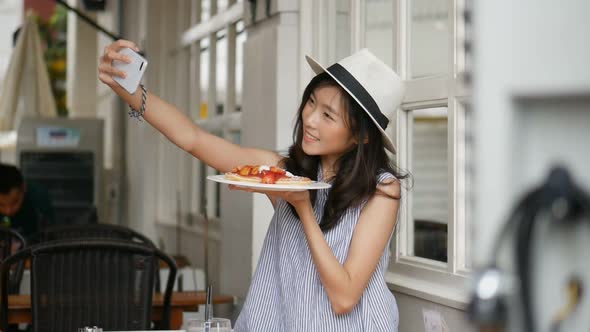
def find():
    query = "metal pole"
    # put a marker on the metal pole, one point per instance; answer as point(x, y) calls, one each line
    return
point(206, 244)
point(88, 20)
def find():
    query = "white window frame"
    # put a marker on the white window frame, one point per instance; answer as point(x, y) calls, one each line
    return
point(439, 282)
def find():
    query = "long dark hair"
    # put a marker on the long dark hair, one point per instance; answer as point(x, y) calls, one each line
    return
point(356, 171)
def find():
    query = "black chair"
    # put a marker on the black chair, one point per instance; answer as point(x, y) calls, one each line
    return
point(11, 240)
point(70, 232)
point(107, 283)
point(81, 231)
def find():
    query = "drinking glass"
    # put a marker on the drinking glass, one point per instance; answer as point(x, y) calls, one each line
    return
point(213, 325)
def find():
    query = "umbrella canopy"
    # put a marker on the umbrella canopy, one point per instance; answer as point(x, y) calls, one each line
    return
point(26, 91)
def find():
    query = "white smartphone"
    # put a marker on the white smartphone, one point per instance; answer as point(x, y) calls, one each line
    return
point(134, 70)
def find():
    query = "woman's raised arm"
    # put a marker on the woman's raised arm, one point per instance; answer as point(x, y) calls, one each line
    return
point(176, 126)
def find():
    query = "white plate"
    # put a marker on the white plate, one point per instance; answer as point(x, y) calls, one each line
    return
point(274, 187)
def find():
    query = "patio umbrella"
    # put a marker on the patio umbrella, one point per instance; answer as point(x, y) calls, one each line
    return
point(26, 90)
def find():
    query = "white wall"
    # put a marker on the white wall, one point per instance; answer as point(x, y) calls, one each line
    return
point(524, 73)
point(411, 312)
point(532, 110)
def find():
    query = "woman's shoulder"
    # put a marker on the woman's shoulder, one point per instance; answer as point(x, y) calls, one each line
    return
point(388, 184)
point(385, 176)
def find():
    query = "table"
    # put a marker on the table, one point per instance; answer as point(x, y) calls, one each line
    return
point(19, 306)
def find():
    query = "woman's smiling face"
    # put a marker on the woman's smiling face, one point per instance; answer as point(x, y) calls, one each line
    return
point(326, 128)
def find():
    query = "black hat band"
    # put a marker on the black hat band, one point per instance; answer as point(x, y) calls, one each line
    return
point(346, 79)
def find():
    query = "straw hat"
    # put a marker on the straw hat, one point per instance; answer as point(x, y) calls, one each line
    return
point(372, 83)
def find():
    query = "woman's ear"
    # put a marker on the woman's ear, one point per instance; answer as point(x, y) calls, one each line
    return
point(365, 140)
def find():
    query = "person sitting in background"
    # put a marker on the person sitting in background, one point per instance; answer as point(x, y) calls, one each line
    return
point(24, 206)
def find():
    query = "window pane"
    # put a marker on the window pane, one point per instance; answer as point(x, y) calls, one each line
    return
point(204, 81)
point(430, 192)
point(379, 30)
point(429, 37)
point(221, 70)
point(241, 38)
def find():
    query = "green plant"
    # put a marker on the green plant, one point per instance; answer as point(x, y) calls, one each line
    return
point(53, 35)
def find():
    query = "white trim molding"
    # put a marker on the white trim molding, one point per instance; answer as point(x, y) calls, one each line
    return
point(212, 25)
point(450, 293)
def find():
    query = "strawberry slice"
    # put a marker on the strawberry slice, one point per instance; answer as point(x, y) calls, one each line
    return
point(268, 178)
point(277, 170)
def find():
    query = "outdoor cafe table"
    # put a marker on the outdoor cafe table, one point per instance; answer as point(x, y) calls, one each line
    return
point(19, 306)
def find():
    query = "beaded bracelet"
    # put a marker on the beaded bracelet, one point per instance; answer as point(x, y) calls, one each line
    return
point(139, 113)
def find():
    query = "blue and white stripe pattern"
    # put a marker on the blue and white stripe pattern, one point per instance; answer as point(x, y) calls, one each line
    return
point(286, 293)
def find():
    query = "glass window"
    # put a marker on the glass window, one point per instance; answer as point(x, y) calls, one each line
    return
point(380, 30)
point(429, 37)
point(240, 39)
point(434, 150)
point(430, 192)
point(203, 113)
point(221, 70)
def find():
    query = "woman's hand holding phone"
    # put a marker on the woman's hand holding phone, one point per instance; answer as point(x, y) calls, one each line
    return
point(121, 66)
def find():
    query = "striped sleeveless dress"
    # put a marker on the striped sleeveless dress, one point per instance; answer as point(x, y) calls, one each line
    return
point(286, 293)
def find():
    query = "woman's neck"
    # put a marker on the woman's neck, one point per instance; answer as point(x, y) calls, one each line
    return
point(328, 169)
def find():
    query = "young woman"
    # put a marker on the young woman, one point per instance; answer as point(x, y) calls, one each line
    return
point(325, 254)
